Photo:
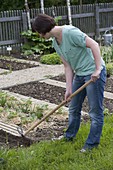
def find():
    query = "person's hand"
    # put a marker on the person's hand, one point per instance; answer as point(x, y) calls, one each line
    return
point(67, 95)
point(95, 75)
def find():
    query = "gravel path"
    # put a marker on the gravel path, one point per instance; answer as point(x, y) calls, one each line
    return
point(29, 75)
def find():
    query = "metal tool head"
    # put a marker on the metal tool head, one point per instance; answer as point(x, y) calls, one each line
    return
point(20, 131)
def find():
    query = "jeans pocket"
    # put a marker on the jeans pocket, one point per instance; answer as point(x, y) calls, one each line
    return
point(103, 75)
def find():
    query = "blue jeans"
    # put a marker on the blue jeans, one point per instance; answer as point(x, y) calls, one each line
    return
point(95, 95)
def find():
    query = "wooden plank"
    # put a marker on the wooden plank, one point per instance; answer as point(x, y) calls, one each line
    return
point(8, 19)
point(8, 42)
point(79, 15)
point(84, 15)
point(104, 29)
point(106, 10)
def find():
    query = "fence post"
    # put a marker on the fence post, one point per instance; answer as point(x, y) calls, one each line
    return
point(25, 24)
point(97, 22)
point(24, 21)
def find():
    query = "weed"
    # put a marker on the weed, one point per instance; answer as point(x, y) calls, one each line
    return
point(3, 99)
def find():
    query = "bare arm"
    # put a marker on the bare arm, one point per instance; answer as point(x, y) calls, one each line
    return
point(93, 45)
point(69, 78)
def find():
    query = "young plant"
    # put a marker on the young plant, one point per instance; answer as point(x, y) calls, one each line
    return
point(3, 99)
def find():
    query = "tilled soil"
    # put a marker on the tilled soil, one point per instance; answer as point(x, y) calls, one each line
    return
point(9, 141)
point(108, 87)
point(53, 94)
point(15, 65)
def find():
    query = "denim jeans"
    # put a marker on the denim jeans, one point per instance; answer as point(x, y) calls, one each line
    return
point(95, 95)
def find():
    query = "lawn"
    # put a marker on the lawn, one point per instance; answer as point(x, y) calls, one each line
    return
point(61, 155)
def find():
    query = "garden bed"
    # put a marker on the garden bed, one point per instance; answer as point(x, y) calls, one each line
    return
point(15, 65)
point(53, 94)
point(108, 87)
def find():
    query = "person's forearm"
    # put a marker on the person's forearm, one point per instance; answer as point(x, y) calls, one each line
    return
point(68, 74)
point(69, 78)
point(97, 56)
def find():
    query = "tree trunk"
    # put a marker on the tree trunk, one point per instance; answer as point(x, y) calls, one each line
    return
point(28, 14)
point(42, 6)
point(69, 12)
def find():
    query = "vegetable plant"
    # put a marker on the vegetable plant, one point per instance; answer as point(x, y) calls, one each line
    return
point(34, 44)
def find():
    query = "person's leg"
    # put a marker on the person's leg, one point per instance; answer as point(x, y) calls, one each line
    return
point(95, 94)
point(75, 108)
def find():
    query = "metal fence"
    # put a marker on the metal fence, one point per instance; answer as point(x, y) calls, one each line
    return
point(92, 19)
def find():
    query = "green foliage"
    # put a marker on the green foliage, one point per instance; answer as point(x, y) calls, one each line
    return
point(17, 4)
point(11, 4)
point(62, 155)
point(107, 53)
point(50, 59)
point(3, 99)
point(107, 112)
point(23, 110)
point(109, 68)
point(35, 44)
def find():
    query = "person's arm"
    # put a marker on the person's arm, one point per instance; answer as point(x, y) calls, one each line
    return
point(69, 78)
point(93, 45)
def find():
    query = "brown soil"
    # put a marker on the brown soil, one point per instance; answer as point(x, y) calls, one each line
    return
point(53, 94)
point(15, 65)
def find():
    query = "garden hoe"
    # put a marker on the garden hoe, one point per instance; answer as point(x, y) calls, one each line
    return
point(17, 131)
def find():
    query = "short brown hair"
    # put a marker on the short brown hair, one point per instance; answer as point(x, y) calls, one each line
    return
point(43, 23)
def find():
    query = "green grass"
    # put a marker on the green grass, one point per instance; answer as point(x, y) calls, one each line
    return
point(61, 155)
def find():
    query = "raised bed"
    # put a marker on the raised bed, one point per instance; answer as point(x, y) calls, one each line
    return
point(52, 94)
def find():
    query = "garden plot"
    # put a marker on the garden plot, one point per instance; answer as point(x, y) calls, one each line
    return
point(14, 65)
point(55, 93)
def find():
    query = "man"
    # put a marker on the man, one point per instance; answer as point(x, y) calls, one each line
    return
point(82, 61)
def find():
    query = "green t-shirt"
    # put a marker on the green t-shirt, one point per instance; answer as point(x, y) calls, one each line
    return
point(73, 49)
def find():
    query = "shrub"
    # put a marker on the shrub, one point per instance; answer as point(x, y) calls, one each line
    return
point(50, 59)
point(109, 68)
point(107, 53)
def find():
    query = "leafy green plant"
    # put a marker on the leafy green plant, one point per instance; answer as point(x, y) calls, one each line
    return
point(107, 53)
point(3, 99)
point(35, 44)
point(50, 59)
point(38, 112)
point(109, 68)
point(12, 114)
point(25, 107)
